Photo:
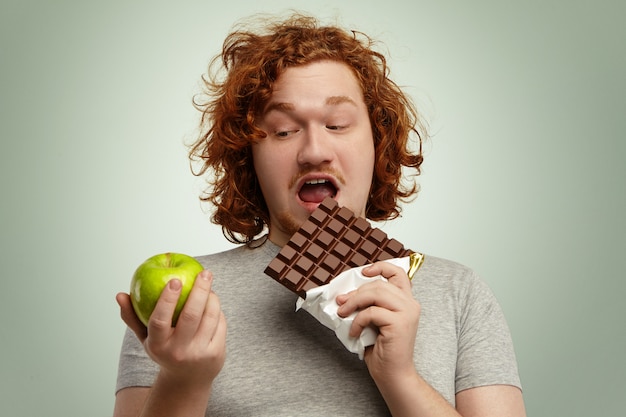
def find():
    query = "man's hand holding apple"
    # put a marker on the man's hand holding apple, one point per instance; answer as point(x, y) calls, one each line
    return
point(192, 351)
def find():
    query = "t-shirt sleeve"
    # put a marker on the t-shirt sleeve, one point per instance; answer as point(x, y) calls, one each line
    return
point(136, 369)
point(485, 351)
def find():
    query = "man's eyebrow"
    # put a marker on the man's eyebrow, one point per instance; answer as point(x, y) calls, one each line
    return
point(279, 106)
point(336, 100)
point(289, 107)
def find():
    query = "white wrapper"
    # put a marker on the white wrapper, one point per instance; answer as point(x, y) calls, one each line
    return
point(320, 303)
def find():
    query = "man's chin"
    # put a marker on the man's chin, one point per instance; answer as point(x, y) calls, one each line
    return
point(287, 224)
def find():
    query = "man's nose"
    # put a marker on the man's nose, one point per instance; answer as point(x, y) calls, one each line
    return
point(316, 147)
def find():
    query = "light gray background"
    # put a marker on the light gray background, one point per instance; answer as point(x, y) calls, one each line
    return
point(523, 180)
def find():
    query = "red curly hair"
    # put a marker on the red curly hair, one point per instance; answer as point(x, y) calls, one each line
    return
point(252, 63)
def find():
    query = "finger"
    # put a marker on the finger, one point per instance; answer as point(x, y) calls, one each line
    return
point(393, 273)
point(213, 327)
point(210, 319)
point(220, 334)
point(216, 346)
point(129, 317)
point(342, 298)
point(376, 317)
point(160, 322)
point(377, 293)
point(193, 311)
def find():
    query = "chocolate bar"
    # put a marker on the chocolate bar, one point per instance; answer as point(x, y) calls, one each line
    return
point(329, 242)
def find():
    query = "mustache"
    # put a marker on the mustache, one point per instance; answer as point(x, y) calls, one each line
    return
point(328, 171)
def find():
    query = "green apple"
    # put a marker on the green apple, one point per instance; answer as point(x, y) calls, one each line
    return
point(152, 276)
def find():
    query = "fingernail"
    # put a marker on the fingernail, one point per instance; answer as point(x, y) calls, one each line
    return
point(175, 284)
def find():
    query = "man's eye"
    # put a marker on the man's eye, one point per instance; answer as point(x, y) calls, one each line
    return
point(283, 133)
point(335, 127)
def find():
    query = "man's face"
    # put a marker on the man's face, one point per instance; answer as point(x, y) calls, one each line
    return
point(319, 143)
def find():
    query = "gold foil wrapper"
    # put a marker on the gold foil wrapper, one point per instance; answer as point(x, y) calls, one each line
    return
point(416, 260)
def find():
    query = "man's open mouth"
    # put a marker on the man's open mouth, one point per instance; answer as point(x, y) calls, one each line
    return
point(316, 190)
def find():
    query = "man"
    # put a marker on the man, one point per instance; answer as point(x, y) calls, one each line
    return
point(305, 112)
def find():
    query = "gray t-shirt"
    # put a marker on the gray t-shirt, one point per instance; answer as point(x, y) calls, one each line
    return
point(283, 363)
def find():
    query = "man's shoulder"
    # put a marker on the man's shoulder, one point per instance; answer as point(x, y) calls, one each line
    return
point(442, 266)
point(257, 253)
point(441, 274)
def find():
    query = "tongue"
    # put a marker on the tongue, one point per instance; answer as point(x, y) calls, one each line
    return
point(316, 193)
